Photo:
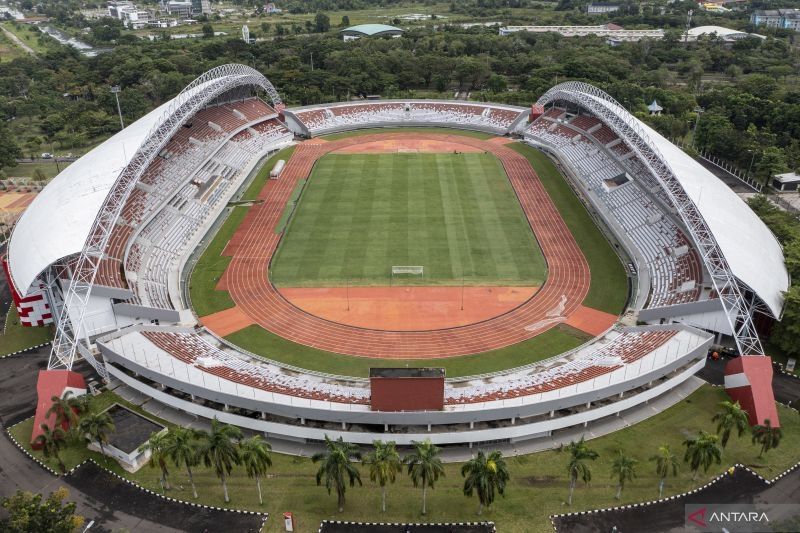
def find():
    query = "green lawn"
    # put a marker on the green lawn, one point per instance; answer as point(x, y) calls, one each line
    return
point(609, 285)
point(28, 170)
point(454, 214)
point(550, 343)
point(16, 337)
point(538, 486)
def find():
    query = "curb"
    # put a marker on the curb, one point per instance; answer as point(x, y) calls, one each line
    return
point(769, 482)
point(400, 524)
point(25, 350)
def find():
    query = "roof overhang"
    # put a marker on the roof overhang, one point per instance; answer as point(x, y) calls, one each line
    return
point(58, 222)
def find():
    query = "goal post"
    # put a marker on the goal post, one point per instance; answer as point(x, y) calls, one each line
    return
point(400, 271)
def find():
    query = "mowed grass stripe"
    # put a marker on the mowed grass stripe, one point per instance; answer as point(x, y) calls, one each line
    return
point(454, 214)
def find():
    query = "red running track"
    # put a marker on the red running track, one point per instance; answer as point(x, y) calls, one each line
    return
point(254, 243)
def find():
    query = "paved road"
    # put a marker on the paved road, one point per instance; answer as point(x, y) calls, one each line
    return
point(742, 487)
point(112, 504)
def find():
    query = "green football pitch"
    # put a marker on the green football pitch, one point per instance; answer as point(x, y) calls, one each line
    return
point(456, 215)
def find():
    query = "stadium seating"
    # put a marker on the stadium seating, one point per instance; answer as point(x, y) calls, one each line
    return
point(675, 268)
point(338, 116)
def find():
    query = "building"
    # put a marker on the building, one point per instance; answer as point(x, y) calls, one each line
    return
point(783, 19)
point(726, 34)
point(162, 23)
point(612, 32)
point(654, 108)
point(270, 8)
point(601, 8)
point(789, 181)
point(116, 8)
point(201, 7)
point(179, 8)
point(370, 30)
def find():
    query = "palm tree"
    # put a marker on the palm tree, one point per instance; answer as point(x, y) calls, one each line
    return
point(219, 452)
point(485, 475)
point(256, 459)
point(624, 468)
point(731, 417)
point(384, 464)
point(337, 462)
point(97, 426)
point(64, 408)
point(51, 442)
point(182, 448)
point(577, 467)
point(424, 466)
point(666, 461)
point(767, 436)
point(157, 445)
point(702, 451)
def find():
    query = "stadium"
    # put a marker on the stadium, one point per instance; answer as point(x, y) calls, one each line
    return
point(571, 260)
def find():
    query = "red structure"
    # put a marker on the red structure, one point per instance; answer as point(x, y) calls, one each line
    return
point(53, 383)
point(33, 310)
point(406, 389)
point(748, 380)
point(536, 111)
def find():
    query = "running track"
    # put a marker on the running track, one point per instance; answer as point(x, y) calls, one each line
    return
point(254, 243)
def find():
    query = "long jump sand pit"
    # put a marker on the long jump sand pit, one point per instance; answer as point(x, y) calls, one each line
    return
point(409, 146)
point(407, 308)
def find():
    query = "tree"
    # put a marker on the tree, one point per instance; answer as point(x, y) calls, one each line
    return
point(51, 442)
point(65, 408)
point(732, 417)
point(666, 462)
point(384, 464)
point(772, 161)
point(27, 513)
point(322, 23)
point(577, 467)
point(702, 451)
point(219, 452)
point(345, 21)
point(337, 463)
point(256, 459)
point(208, 31)
point(767, 436)
point(182, 448)
point(424, 466)
point(624, 468)
point(485, 475)
point(157, 446)
point(97, 426)
point(497, 83)
point(9, 149)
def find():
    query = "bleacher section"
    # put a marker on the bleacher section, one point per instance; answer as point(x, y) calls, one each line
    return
point(487, 117)
point(639, 206)
point(177, 192)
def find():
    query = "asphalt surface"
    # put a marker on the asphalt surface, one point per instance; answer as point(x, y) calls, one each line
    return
point(743, 487)
point(786, 388)
point(333, 527)
point(111, 503)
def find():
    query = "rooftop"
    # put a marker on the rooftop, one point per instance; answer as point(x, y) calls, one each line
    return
point(406, 372)
point(371, 29)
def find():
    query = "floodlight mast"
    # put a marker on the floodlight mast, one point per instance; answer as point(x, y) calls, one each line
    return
point(71, 335)
point(738, 310)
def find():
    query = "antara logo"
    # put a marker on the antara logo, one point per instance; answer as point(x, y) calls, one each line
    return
point(736, 516)
point(698, 517)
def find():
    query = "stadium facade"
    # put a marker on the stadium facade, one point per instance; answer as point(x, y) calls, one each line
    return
point(104, 250)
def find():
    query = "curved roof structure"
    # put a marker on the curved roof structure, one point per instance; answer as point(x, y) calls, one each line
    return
point(751, 251)
point(58, 222)
point(722, 32)
point(372, 29)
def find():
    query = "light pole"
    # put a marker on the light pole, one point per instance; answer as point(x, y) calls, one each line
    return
point(115, 89)
point(698, 110)
point(752, 159)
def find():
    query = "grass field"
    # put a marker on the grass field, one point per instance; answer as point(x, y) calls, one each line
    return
point(15, 337)
point(607, 292)
point(454, 214)
point(537, 489)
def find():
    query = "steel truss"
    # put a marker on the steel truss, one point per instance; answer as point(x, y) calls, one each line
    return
point(738, 309)
point(68, 341)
